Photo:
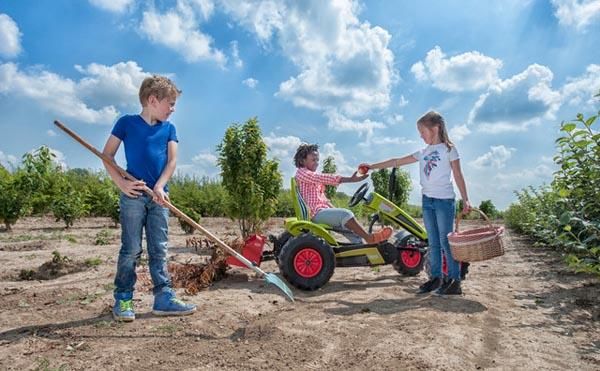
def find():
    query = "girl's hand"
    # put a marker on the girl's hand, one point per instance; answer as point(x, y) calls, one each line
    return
point(466, 207)
point(160, 196)
point(357, 178)
point(132, 189)
point(364, 168)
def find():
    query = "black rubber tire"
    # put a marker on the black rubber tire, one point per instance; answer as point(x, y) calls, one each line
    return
point(404, 269)
point(289, 251)
point(280, 243)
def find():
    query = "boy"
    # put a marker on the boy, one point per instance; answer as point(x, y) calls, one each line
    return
point(150, 143)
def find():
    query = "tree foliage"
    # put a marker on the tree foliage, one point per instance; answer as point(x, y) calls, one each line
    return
point(329, 167)
point(566, 213)
point(251, 180)
point(381, 183)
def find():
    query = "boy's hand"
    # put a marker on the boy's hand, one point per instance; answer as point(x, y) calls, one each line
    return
point(132, 189)
point(160, 196)
point(357, 178)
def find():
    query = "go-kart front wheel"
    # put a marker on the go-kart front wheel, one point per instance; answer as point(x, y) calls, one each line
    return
point(409, 262)
point(307, 262)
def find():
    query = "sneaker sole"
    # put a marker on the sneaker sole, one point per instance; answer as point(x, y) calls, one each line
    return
point(123, 319)
point(166, 313)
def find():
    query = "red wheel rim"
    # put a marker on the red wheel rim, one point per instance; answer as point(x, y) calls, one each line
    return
point(411, 259)
point(308, 262)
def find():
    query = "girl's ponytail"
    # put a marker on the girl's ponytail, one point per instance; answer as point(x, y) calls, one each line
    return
point(432, 119)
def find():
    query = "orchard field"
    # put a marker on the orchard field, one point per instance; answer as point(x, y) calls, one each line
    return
point(524, 310)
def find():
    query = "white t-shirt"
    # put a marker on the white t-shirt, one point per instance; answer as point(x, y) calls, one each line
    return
point(435, 170)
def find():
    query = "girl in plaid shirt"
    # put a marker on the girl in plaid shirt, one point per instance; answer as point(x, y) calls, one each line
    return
point(311, 185)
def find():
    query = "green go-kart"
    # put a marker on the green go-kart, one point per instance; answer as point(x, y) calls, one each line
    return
point(308, 253)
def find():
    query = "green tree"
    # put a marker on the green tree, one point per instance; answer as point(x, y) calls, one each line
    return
point(14, 201)
point(69, 204)
point(251, 180)
point(329, 167)
point(42, 178)
point(381, 183)
point(488, 208)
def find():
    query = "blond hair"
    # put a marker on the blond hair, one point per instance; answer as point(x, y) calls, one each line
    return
point(432, 119)
point(159, 86)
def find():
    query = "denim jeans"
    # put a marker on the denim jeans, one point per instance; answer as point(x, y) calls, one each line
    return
point(438, 216)
point(138, 214)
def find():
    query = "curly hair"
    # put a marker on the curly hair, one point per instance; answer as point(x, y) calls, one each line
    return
point(302, 152)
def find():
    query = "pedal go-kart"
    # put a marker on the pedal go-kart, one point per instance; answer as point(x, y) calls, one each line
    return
point(307, 253)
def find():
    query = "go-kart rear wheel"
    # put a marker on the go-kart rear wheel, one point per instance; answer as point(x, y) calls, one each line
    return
point(409, 262)
point(307, 262)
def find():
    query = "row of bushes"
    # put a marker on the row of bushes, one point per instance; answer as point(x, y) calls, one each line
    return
point(566, 213)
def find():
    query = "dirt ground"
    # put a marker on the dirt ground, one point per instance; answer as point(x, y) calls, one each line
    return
point(524, 310)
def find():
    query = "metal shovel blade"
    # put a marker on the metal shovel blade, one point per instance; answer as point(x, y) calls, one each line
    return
point(272, 278)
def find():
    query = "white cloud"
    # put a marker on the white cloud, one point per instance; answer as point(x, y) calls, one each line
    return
point(520, 179)
point(52, 92)
point(177, 29)
point(115, 6)
point(576, 13)
point(339, 122)
point(282, 147)
point(344, 64)
point(8, 161)
point(464, 72)
point(235, 54)
point(205, 158)
point(495, 158)
point(117, 84)
point(517, 103)
point(206, 7)
point(93, 99)
point(403, 101)
point(250, 82)
point(51, 133)
point(10, 37)
point(458, 133)
point(582, 89)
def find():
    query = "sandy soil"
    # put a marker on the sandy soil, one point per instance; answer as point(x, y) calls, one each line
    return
point(524, 310)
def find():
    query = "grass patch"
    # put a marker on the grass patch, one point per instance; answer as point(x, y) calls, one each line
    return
point(93, 262)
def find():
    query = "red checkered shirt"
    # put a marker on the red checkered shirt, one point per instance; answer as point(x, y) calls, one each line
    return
point(312, 188)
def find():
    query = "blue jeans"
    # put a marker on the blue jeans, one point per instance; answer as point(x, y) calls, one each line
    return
point(136, 215)
point(438, 216)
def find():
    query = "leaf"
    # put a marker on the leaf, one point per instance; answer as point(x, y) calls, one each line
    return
point(590, 121)
point(563, 192)
point(565, 217)
point(568, 127)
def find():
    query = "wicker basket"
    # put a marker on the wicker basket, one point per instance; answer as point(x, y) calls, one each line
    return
point(476, 244)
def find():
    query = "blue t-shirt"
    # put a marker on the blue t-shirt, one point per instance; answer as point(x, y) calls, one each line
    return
point(146, 146)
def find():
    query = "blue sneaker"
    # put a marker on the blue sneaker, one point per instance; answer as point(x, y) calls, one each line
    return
point(123, 310)
point(166, 304)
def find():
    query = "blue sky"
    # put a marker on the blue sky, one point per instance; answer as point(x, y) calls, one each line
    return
point(353, 76)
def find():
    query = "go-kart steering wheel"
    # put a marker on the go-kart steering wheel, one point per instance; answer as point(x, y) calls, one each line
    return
point(359, 195)
point(392, 184)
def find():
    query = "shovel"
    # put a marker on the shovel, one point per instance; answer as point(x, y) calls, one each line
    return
point(269, 277)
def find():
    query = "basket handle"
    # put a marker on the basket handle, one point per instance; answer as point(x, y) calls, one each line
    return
point(460, 216)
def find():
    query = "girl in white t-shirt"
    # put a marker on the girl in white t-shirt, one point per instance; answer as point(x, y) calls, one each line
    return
point(436, 162)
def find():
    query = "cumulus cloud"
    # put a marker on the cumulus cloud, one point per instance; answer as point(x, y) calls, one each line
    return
point(250, 82)
point(464, 72)
point(518, 102)
point(576, 13)
point(115, 6)
point(581, 90)
point(495, 158)
point(93, 99)
point(459, 132)
point(10, 37)
point(205, 158)
point(177, 29)
point(344, 64)
point(8, 161)
point(339, 122)
point(117, 84)
point(282, 147)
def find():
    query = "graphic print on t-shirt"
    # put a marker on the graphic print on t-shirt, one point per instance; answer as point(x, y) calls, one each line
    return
point(431, 162)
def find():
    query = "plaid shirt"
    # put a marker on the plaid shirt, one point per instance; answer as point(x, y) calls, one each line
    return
point(312, 188)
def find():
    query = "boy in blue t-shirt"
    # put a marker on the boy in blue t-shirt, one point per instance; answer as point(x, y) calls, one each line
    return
point(150, 143)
